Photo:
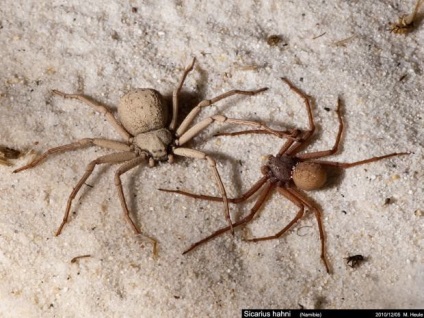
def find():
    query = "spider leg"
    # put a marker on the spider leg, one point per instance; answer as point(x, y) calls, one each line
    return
point(346, 165)
point(191, 153)
point(258, 184)
point(263, 194)
point(298, 216)
point(175, 94)
point(243, 132)
point(293, 138)
point(293, 134)
point(332, 151)
point(307, 134)
point(318, 217)
point(100, 108)
point(298, 200)
point(196, 129)
point(208, 102)
point(132, 163)
point(111, 158)
point(105, 143)
point(286, 147)
point(301, 202)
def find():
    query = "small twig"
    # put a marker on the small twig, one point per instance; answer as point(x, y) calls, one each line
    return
point(76, 258)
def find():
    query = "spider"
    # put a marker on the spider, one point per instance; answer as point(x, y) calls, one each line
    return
point(289, 172)
point(143, 117)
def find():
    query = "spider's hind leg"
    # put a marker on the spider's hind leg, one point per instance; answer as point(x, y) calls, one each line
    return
point(128, 165)
point(111, 158)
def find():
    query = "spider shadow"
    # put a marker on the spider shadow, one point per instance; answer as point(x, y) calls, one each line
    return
point(335, 177)
point(419, 18)
point(188, 100)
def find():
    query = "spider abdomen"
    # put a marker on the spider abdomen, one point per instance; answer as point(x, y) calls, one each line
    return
point(309, 175)
point(142, 110)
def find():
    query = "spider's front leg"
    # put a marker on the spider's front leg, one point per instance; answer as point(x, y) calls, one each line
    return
point(209, 102)
point(185, 134)
point(175, 95)
point(196, 129)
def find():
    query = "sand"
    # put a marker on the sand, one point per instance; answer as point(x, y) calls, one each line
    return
point(334, 49)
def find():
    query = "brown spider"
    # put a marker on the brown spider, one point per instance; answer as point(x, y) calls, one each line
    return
point(148, 137)
point(288, 172)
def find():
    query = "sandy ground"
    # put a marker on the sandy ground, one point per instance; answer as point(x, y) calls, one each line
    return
point(329, 49)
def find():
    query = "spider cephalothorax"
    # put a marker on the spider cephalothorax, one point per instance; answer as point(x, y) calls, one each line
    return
point(279, 169)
